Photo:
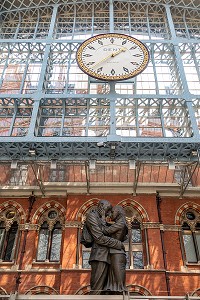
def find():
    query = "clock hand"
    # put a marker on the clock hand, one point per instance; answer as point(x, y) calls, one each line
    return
point(119, 51)
point(110, 55)
point(105, 58)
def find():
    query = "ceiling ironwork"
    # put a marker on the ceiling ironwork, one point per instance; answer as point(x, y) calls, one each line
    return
point(50, 106)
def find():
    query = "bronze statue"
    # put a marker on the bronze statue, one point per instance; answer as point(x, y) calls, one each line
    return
point(100, 257)
point(117, 270)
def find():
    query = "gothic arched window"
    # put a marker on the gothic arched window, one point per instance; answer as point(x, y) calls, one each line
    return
point(191, 237)
point(50, 234)
point(8, 240)
point(134, 246)
point(49, 242)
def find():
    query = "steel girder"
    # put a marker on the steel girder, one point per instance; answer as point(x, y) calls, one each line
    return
point(82, 150)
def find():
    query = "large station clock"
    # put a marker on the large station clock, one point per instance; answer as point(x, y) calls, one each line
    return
point(112, 56)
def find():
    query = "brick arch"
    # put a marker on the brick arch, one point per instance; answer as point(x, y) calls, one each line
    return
point(43, 208)
point(84, 290)
point(183, 208)
point(85, 207)
point(2, 291)
point(138, 207)
point(138, 289)
point(41, 289)
point(12, 204)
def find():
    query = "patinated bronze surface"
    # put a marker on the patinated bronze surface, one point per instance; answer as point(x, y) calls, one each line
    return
point(107, 258)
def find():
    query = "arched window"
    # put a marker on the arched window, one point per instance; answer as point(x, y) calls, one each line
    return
point(49, 242)
point(191, 237)
point(134, 246)
point(8, 240)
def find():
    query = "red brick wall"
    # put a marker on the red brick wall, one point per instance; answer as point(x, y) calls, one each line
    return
point(66, 279)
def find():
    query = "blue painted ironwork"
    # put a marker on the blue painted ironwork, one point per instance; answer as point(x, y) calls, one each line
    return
point(48, 104)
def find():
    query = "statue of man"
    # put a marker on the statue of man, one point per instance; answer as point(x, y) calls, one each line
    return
point(100, 257)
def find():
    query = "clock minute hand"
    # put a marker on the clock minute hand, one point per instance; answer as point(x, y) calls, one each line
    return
point(105, 58)
point(110, 55)
point(119, 51)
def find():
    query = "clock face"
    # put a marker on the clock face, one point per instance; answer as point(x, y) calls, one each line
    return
point(112, 57)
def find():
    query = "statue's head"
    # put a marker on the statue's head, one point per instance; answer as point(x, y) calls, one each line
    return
point(104, 207)
point(117, 211)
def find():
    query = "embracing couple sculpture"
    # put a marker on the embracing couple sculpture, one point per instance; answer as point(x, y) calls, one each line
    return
point(107, 258)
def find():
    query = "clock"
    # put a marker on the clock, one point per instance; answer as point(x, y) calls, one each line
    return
point(112, 57)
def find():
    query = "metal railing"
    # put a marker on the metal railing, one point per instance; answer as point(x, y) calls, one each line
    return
point(97, 297)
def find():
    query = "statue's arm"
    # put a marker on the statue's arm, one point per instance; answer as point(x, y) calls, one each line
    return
point(113, 228)
point(98, 235)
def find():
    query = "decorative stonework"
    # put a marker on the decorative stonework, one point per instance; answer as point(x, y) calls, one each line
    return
point(85, 207)
point(73, 224)
point(10, 212)
point(180, 214)
point(28, 227)
point(151, 225)
point(162, 226)
point(136, 208)
point(171, 227)
point(42, 214)
point(41, 289)
point(138, 289)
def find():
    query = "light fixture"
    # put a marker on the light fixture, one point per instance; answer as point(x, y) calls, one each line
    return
point(171, 165)
point(13, 165)
point(32, 152)
point(92, 164)
point(101, 144)
point(112, 150)
point(53, 165)
point(132, 164)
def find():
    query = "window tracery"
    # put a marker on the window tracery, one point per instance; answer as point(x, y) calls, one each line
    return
point(51, 224)
point(191, 235)
point(9, 225)
point(134, 244)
